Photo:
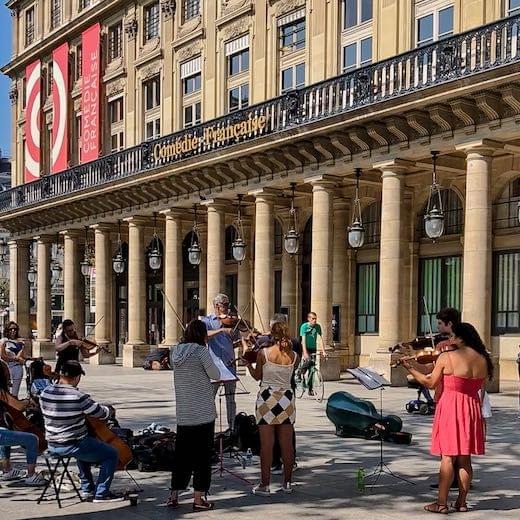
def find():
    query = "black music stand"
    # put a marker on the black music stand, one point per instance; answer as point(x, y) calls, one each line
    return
point(372, 380)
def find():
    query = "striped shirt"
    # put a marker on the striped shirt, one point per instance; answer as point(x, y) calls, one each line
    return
point(64, 408)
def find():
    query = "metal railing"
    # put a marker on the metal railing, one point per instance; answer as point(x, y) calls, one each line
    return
point(493, 45)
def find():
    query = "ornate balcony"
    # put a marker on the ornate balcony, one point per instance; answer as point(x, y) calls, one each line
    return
point(462, 56)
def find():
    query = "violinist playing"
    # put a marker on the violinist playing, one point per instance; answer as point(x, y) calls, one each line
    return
point(69, 346)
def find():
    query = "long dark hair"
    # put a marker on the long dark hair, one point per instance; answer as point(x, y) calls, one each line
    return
point(11, 325)
point(471, 338)
point(64, 325)
point(196, 332)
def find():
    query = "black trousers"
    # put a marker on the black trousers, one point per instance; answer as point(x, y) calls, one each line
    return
point(193, 452)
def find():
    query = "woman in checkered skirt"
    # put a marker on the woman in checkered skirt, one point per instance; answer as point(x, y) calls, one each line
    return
point(275, 408)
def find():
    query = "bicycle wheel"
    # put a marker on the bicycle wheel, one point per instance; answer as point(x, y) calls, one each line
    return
point(318, 387)
point(300, 387)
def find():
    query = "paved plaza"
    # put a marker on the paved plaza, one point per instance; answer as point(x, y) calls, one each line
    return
point(325, 483)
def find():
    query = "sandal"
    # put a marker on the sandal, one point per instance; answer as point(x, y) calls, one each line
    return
point(203, 506)
point(459, 508)
point(173, 503)
point(437, 508)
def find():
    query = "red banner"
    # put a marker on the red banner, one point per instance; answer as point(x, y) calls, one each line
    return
point(60, 89)
point(32, 121)
point(90, 131)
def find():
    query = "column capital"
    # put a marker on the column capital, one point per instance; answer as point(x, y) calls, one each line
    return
point(102, 227)
point(174, 213)
point(137, 221)
point(73, 233)
point(216, 204)
point(45, 239)
point(265, 194)
point(323, 181)
point(483, 147)
point(394, 166)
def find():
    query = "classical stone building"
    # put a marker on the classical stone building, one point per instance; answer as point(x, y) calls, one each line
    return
point(128, 115)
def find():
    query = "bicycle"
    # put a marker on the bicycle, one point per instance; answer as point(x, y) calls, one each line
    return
point(311, 380)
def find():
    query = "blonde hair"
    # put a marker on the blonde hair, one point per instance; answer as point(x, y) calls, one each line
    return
point(280, 334)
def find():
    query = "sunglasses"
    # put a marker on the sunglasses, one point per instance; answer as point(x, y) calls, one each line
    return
point(10, 330)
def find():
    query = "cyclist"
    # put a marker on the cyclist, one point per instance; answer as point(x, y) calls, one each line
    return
point(311, 336)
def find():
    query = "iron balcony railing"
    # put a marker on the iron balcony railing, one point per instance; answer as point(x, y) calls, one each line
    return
point(466, 54)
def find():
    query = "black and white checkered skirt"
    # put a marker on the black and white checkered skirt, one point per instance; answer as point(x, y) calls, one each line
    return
point(275, 406)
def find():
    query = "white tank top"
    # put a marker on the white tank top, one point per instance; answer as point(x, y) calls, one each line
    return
point(277, 376)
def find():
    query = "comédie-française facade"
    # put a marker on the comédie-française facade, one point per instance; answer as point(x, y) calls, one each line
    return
point(153, 140)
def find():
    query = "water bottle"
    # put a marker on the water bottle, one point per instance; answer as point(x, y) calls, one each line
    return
point(361, 479)
point(249, 456)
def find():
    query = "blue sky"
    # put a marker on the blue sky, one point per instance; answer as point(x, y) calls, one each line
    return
point(5, 104)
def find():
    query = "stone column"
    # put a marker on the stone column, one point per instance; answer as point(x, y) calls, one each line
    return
point(44, 346)
point(203, 272)
point(289, 269)
point(339, 275)
point(393, 249)
point(104, 294)
point(215, 250)
point(19, 285)
point(73, 282)
point(321, 266)
point(173, 278)
point(263, 303)
point(135, 350)
point(245, 302)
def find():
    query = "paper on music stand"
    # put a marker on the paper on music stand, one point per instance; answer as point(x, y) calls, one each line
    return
point(368, 378)
point(225, 374)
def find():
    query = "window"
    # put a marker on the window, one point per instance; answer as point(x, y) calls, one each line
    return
point(293, 77)
point(357, 54)
point(371, 217)
point(49, 77)
point(115, 110)
point(367, 311)
point(231, 285)
point(434, 26)
point(440, 286)
point(192, 114)
point(191, 84)
point(76, 140)
point(238, 62)
point(505, 209)
point(356, 12)
point(453, 214)
point(115, 41)
point(191, 9)
point(277, 290)
point(117, 141)
point(506, 297)
point(29, 26)
point(78, 63)
point(152, 129)
point(278, 237)
point(55, 13)
point(152, 93)
point(238, 97)
point(513, 7)
point(151, 21)
point(231, 234)
point(83, 4)
point(292, 35)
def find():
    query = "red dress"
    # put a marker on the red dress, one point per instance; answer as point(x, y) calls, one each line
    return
point(458, 428)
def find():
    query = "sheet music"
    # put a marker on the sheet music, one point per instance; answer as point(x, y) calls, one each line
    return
point(225, 374)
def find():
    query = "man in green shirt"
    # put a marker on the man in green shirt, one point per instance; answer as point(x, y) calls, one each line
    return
point(311, 336)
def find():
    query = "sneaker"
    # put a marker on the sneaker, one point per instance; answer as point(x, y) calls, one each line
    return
point(287, 488)
point(14, 474)
point(262, 491)
point(109, 497)
point(35, 480)
point(86, 495)
point(295, 466)
point(276, 470)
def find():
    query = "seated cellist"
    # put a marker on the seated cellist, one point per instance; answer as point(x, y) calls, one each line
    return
point(10, 438)
point(64, 409)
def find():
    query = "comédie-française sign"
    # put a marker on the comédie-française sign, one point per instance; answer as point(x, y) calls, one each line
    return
point(208, 137)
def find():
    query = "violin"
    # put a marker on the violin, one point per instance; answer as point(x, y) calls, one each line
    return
point(89, 343)
point(424, 355)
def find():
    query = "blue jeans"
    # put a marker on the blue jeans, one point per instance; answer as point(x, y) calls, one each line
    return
point(87, 452)
point(28, 441)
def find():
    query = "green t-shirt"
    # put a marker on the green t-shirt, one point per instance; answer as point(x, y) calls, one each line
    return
point(310, 333)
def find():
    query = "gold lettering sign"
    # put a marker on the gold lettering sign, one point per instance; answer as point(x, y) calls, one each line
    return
point(208, 138)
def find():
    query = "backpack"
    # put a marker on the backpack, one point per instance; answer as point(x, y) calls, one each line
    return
point(247, 434)
point(158, 359)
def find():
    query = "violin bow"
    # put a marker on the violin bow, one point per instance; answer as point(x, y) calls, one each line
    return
point(93, 327)
point(183, 327)
point(258, 310)
point(429, 320)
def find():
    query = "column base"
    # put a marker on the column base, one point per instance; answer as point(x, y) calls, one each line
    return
point(133, 355)
point(104, 358)
point(330, 367)
point(43, 348)
point(381, 361)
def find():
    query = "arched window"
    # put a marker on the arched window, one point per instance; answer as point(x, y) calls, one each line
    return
point(371, 216)
point(231, 234)
point(453, 215)
point(505, 209)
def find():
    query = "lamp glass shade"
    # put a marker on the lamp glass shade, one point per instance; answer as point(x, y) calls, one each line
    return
point(155, 259)
point(194, 254)
point(32, 275)
point(118, 263)
point(434, 223)
point(239, 249)
point(85, 267)
point(291, 241)
point(55, 273)
point(356, 234)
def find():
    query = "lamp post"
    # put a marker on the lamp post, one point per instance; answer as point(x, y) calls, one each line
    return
point(194, 251)
point(291, 239)
point(239, 246)
point(118, 260)
point(434, 216)
point(356, 231)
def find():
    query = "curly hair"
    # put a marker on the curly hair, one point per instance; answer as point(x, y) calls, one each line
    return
point(280, 334)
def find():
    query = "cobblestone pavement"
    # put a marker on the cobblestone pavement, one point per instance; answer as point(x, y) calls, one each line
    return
point(325, 483)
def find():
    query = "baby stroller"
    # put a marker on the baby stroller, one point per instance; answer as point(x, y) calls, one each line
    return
point(36, 370)
point(424, 407)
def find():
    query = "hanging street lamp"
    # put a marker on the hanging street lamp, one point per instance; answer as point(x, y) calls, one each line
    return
point(356, 231)
point(194, 251)
point(434, 216)
point(86, 263)
point(239, 246)
point(155, 255)
point(291, 239)
point(118, 260)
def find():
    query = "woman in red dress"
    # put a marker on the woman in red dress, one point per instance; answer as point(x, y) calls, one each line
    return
point(458, 428)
